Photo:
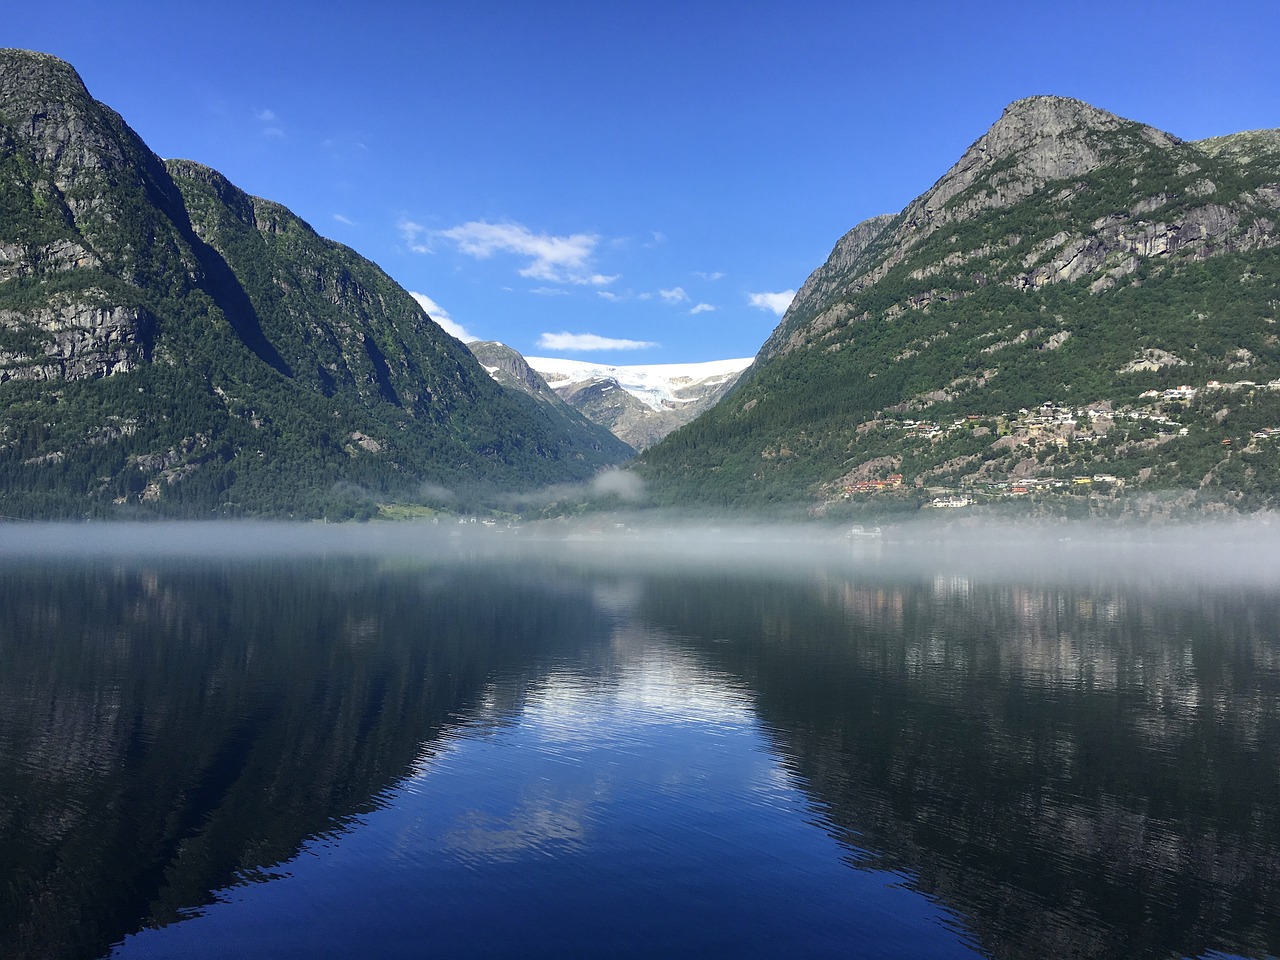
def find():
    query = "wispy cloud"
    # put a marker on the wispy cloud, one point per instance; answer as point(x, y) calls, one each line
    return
point(674, 295)
point(268, 118)
point(555, 259)
point(341, 219)
point(581, 342)
point(708, 276)
point(441, 316)
point(547, 291)
point(703, 308)
point(412, 234)
point(774, 302)
point(614, 296)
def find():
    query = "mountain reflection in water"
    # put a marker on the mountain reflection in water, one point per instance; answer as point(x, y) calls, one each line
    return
point(1049, 768)
point(1077, 771)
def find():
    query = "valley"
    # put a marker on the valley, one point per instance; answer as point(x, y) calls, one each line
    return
point(1081, 308)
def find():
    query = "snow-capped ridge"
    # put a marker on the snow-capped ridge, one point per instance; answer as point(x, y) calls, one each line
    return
point(656, 385)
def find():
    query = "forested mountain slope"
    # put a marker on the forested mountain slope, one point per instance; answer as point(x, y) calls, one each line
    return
point(169, 344)
point(1081, 304)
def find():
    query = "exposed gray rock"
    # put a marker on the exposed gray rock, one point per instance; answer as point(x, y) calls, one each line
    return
point(76, 340)
point(1038, 142)
point(510, 369)
point(19, 260)
point(1047, 138)
point(606, 402)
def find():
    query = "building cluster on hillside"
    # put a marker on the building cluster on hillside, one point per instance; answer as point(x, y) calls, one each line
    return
point(1047, 423)
point(891, 482)
point(1182, 392)
point(1242, 385)
point(1026, 485)
point(1053, 425)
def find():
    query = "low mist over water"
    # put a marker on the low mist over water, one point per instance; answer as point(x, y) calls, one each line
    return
point(1243, 551)
point(605, 739)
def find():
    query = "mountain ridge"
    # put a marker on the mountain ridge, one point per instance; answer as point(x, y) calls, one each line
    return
point(1064, 245)
point(171, 345)
point(641, 403)
point(513, 372)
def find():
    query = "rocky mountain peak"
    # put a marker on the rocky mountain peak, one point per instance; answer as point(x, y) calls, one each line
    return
point(509, 368)
point(512, 372)
point(1037, 274)
point(44, 102)
point(1036, 140)
point(1032, 119)
point(30, 77)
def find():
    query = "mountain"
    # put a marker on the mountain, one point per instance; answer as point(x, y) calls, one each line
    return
point(513, 372)
point(640, 404)
point(1081, 306)
point(172, 345)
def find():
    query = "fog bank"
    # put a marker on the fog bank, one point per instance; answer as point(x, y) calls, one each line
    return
point(1243, 551)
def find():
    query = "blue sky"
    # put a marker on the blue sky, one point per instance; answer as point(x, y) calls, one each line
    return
point(573, 177)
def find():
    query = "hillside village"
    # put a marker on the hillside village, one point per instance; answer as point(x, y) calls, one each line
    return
point(1050, 445)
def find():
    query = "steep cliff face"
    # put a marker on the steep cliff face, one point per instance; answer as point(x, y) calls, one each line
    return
point(513, 372)
point(1044, 267)
point(171, 344)
point(88, 221)
point(509, 368)
point(606, 401)
point(1113, 191)
point(641, 403)
point(314, 310)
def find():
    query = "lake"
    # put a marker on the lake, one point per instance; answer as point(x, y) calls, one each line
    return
point(569, 741)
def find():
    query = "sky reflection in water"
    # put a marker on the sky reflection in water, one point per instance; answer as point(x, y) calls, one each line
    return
point(639, 813)
point(892, 749)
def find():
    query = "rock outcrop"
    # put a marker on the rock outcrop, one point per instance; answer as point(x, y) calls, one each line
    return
point(513, 372)
point(1055, 150)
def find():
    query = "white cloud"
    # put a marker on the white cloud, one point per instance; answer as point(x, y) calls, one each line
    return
point(412, 233)
point(674, 295)
point(702, 308)
point(341, 219)
point(775, 302)
point(564, 259)
point(708, 276)
point(589, 341)
point(611, 296)
point(269, 118)
point(546, 291)
point(441, 316)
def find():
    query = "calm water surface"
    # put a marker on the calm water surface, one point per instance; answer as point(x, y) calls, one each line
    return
point(562, 754)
